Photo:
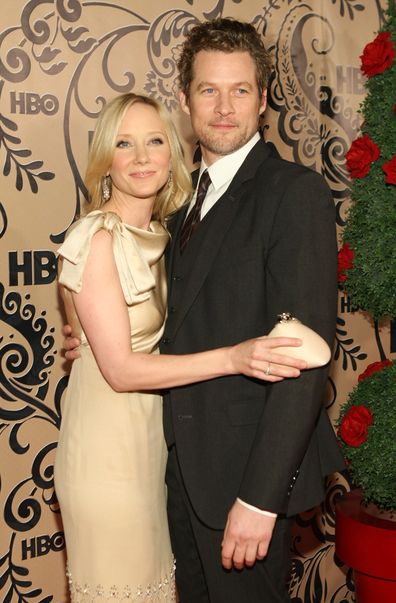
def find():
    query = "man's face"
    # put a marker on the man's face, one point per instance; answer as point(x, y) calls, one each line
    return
point(224, 103)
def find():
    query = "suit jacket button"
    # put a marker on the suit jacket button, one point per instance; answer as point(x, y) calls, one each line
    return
point(176, 278)
point(184, 417)
point(165, 340)
point(172, 310)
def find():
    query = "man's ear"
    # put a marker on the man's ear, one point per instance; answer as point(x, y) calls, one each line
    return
point(184, 103)
point(263, 101)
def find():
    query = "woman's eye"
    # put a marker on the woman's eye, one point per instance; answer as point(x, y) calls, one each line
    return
point(156, 141)
point(122, 144)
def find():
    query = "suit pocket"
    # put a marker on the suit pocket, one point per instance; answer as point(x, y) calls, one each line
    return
point(247, 412)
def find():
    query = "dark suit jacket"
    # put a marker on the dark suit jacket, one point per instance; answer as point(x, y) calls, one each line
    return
point(267, 246)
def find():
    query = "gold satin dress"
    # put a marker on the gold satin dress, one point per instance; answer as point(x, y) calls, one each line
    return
point(111, 457)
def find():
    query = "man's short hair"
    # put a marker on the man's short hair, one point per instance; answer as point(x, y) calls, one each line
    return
point(225, 35)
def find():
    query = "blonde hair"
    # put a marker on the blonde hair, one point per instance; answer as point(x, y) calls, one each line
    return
point(101, 154)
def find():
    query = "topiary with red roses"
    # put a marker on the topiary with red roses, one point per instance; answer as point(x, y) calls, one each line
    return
point(368, 265)
point(366, 432)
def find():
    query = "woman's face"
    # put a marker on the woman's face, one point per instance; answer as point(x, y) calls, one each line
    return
point(142, 157)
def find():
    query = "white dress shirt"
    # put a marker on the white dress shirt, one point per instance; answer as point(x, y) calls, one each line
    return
point(221, 173)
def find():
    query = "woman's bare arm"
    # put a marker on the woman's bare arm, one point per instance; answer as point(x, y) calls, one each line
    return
point(102, 312)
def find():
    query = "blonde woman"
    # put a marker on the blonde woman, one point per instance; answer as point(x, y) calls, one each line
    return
point(110, 464)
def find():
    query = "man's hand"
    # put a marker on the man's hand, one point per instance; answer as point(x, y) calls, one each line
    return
point(70, 344)
point(247, 536)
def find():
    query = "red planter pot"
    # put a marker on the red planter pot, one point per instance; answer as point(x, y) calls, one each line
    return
point(368, 545)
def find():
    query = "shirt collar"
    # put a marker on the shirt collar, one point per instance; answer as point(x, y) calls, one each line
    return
point(223, 170)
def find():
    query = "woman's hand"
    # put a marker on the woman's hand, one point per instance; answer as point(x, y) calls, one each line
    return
point(70, 344)
point(258, 358)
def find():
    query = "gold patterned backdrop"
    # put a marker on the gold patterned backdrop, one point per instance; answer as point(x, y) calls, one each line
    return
point(60, 60)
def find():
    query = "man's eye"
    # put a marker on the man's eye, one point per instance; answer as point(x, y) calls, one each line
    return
point(242, 91)
point(208, 90)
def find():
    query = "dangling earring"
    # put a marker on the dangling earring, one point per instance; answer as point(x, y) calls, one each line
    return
point(106, 188)
point(169, 182)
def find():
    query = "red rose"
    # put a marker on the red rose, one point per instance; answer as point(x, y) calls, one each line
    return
point(378, 55)
point(354, 425)
point(374, 367)
point(362, 153)
point(390, 170)
point(345, 261)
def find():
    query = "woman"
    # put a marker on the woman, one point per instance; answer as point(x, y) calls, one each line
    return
point(110, 464)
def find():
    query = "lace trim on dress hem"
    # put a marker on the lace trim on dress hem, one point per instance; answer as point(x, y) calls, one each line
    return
point(164, 590)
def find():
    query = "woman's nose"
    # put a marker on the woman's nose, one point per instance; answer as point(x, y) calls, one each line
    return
point(141, 154)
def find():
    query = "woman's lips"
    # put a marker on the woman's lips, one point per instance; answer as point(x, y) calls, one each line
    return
point(142, 174)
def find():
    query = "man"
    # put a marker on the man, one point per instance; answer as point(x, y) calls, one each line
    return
point(244, 456)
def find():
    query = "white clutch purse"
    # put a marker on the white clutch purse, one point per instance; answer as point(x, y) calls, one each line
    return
point(314, 350)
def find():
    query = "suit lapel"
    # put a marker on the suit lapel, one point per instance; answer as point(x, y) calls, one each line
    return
point(201, 264)
point(220, 221)
point(254, 161)
point(174, 228)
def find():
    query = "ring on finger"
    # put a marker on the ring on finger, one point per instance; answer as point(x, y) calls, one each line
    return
point(268, 371)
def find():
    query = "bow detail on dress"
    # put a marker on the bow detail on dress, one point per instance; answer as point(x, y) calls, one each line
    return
point(133, 264)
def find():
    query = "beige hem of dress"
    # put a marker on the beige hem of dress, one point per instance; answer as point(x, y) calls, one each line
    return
point(164, 590)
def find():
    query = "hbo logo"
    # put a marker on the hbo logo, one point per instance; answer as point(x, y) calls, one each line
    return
point(32, 104)
point(42, 545)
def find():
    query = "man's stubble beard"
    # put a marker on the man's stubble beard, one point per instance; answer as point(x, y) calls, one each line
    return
point(223, 146)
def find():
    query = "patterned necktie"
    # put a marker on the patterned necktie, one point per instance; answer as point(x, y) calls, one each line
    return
point(194, 217)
